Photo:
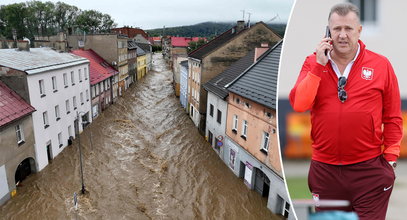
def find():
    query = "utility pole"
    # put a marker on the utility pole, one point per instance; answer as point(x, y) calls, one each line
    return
point(243, 14)
point(248, 21)
point(83, 190)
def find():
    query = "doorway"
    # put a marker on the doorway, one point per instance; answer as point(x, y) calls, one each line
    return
point(49, 151)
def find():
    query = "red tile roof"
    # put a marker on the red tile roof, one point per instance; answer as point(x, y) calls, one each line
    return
point(99, 69)
point(12, 106)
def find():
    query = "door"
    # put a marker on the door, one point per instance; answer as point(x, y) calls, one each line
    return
point(49, 151)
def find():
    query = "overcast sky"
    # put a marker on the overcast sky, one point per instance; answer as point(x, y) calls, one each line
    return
point(148, 14)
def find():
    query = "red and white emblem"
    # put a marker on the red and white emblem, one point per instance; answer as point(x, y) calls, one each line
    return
point(315, 196)
point(367, 73)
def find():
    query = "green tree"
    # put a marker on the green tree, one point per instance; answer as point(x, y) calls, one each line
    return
point(192, 45)
point(12, 17)
point(65, 16)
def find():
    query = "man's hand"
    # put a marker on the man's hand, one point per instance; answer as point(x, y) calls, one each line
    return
point(325, 44)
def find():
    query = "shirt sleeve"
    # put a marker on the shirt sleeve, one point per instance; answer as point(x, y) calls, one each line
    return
point(303, 94)
point(391, 118)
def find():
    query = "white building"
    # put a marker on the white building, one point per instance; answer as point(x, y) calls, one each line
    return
point(57, 86)
point(217, 102)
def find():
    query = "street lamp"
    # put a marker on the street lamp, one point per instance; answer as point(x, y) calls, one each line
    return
point(83, 190)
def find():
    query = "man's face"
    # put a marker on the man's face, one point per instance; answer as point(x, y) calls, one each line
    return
point(345, 33)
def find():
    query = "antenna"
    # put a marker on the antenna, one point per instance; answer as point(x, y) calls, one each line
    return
point(273, 18)
point(243, 14)
point(248, 22)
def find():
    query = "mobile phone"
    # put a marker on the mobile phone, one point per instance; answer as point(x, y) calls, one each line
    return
point(327, 34)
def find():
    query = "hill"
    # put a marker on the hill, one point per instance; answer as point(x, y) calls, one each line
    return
point(206, 29)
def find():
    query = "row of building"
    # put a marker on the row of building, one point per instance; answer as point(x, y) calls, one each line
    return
point(50, 93)
point(228, 87)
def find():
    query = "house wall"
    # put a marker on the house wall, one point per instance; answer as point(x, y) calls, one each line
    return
point(12, 154)
point(258, 123)
point(220, 59)
point(17, 80)
point(141, 66)
point(194, 76)
point(212, 125)
point(183, 86)
point(48, 103)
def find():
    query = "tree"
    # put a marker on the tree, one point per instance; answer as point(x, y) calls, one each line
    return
point(12, 17)
point(65, 16)
point(93, 21)
point(193, 45)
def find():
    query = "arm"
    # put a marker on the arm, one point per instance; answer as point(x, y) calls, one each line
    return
point(303, 94)
point(392, 120)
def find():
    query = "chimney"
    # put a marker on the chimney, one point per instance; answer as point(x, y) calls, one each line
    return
point(239, 26)
point(258, 51)
point(23, 45)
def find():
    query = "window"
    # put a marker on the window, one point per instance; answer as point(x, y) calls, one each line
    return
point(87, 95)
point(74, 103)
point(234, 126)
point(247, 105)
point(54, 84)
point(45, 119)
point(219, 117)
point(237, 100)
point(57, 116)
point(42, 88)
point(211, 110)
point(108, 84)
point(97, 89)
point(265, 142)
point(192, 111)
point(368, 10)
point(81, 97)
point(80, 75)
point(244, 129)
point(60, 139)
point(19, 134)
point(65, 80)
point(85, 72)
point(72, 78)
point(93, 92)
point(67, 106)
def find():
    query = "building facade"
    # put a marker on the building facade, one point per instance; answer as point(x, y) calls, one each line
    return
point(217, 55)
point(184, 84)
point(101, 76)
point(251, 147)
point(218, 101)
point(17, 143)
point(56, 85)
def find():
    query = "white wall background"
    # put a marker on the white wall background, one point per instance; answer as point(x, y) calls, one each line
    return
point(306, 27)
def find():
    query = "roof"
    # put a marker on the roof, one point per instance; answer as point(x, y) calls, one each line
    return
point(215, 43)
point(180, 41)
point(38, 59)
point(217, 85)
point(155, 38)
point(130, 32)
point(99, 69)
point(131, 45)
point(145, 47)
point(12, 106)
point(140, 52)
point(259, 82)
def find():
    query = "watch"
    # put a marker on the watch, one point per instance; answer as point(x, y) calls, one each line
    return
point(393, 164)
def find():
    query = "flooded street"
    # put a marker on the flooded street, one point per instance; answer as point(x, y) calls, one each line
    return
point(146, 161)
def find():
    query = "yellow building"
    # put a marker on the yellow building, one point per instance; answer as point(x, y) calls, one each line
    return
point(141, 63)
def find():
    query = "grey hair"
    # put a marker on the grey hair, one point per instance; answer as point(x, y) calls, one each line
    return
point(343, 9)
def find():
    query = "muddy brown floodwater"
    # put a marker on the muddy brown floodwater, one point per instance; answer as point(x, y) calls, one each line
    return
point(146, 161)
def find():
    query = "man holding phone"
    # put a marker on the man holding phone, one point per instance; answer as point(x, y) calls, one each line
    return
point(355, 106)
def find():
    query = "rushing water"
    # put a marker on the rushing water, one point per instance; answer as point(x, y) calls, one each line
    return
point(143, 159)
